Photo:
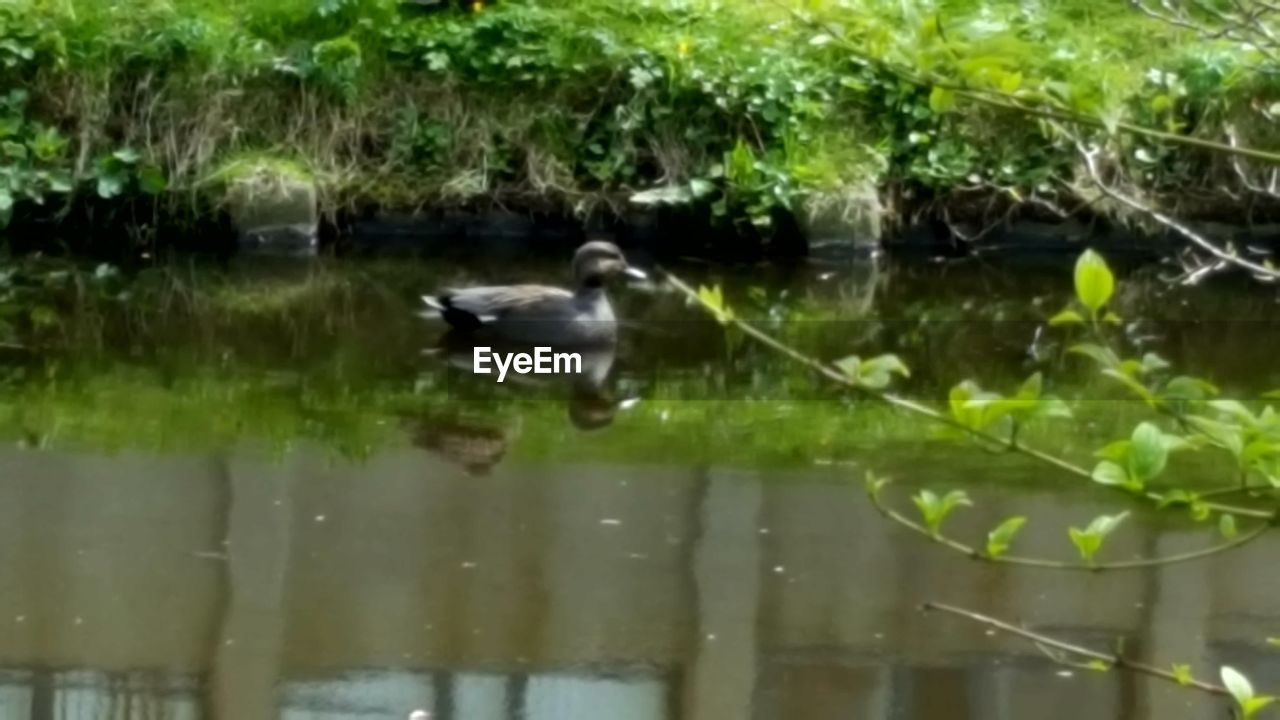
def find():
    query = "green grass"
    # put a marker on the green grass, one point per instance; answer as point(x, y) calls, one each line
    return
point(571, 104)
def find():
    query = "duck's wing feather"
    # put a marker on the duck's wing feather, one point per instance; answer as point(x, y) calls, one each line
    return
point(490, 303)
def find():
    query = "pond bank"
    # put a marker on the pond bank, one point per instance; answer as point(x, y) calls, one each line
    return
point(132, 125)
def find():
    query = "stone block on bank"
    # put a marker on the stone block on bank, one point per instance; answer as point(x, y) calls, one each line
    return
point(274, 206)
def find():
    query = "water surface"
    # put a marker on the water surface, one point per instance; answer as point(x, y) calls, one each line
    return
point(262, 500)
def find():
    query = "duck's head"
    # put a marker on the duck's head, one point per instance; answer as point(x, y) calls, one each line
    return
point(598, 260)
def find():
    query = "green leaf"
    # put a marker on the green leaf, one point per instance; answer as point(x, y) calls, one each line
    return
point(713, 299)
point(60, 183)
point(1117, 452)
point(1253, 705)
point(1086, 543)
point(934, 510)
point(942, 100)
point(1134, 386)
point(1152, 362)
point(1182, 673)
point(1010, 83)
point(1031, 387)
point(877, 372)
point(998, 539)
point(1273, 641)
point(1109, 473)
point(1176, 497)
point(151, 180)
point(1227, 526)
point(1148, 454)
point(1224, 435)
point(1259, 449)
point(972, 406)
point(127, 156)
point(1188, 388)
point(928, 504)
point(849, 366)
point(1271, 395)
point(1066, 317)
point(110, 186)
point(1051, 406)
point(1104, 525)
point(1094, 281)
point(1236, 409)
point(1098, 665)
point(1104, 356)
point(1236, 684)
point(875, 484)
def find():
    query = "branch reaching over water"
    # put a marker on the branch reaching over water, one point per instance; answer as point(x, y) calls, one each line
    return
point(1090, 159)
point(977, 554)
point(835, 375)
point(1111, 660)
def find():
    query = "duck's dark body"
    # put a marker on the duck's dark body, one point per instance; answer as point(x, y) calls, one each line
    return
point(539, 314)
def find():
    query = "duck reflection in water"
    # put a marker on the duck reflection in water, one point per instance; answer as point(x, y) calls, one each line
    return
point(478, 446)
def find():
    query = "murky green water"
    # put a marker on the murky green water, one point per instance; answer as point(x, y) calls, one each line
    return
point(255, 496)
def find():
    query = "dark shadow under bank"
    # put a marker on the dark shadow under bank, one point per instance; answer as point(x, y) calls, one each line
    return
point(140, 231)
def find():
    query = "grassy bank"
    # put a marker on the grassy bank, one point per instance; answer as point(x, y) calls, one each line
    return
point(748, 110)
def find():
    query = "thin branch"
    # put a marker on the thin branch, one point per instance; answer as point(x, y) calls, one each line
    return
point(976, 554)
point(1010, 102)
point(1199, 240)
point(1247, 27)
point(1110, 659)
point(834, 375)
point(1270, 190)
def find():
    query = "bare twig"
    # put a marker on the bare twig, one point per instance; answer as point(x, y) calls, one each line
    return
point(1261, 271)
point(1115, 660)
point(1272, 188)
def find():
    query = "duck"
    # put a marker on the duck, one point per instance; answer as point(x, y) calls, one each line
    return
point(540, 314)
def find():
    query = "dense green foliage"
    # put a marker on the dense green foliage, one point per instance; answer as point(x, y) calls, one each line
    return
point(751, 108)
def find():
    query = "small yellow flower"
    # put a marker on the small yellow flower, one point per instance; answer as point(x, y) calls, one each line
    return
point(682, 48)
point(477, 6)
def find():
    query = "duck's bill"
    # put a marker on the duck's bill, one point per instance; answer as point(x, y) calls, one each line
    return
point(635, 273)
